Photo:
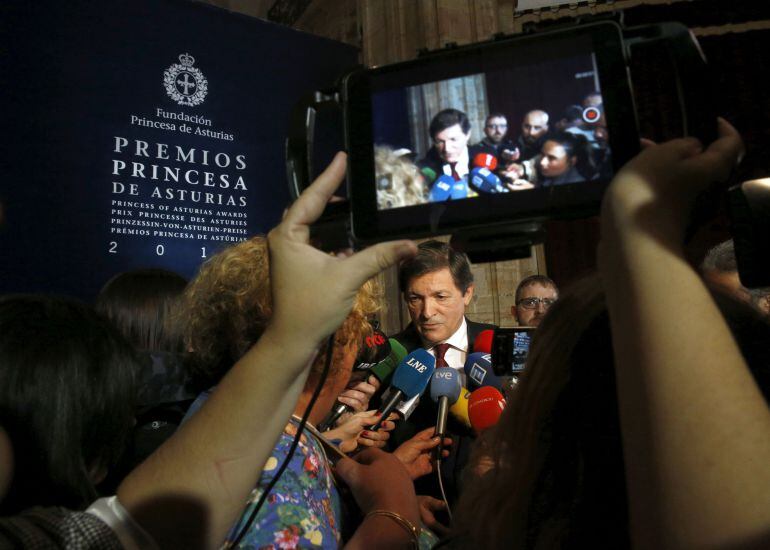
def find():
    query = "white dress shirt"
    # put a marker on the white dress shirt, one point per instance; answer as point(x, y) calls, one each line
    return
point(458, 350)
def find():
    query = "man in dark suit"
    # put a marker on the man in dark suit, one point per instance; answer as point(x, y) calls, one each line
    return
point(450, 131)
point(437, 285)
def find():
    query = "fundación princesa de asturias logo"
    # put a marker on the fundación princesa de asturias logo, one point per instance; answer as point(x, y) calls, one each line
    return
point(184, 83)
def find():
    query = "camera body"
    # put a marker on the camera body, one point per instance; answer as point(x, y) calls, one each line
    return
point(412, 173)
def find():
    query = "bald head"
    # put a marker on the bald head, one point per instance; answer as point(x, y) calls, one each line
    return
point(534, 126)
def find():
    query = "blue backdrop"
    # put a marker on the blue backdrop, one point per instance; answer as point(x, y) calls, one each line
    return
point(142, 133)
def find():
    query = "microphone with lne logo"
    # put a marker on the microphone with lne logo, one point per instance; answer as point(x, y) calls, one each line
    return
point(379, 356)
point(485, 406)
point(478, 369)
point(442, 188)
point(411, 378)
point(445, 388)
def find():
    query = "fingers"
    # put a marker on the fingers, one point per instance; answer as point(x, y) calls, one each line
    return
point(356, 404)
point(719, 159)
point(311, 203)
point(365, 388)
point(645, 143)
point(432, 503)
point(372, 260)
point(373, 381)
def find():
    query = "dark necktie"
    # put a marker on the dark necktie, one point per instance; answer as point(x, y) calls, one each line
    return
point(455, 175)
point(439, 350)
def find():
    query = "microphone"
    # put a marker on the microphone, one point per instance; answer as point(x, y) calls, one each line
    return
point(410, 378)
point(376, 349)
point(483, 341)
point(484, 181)
point(485, 160)
point(459, 190)
point(442, 188)
point(384, 370)
point(478, 369)
point(381, 370)
point(405, 408)
point(460, 409)
point(445, 389)
point(429, 174)
point(485, 406)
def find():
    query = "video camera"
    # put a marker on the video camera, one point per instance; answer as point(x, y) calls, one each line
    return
point(406, 178)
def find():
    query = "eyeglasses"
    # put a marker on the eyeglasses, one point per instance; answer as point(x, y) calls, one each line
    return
point(497, 126)
point(531, 303)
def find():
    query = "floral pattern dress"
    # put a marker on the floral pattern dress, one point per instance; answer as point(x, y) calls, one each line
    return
point(303, 509)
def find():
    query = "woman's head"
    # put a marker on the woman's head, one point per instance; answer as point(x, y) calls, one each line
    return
point(227, 306)
point(558, 477)
point(140, 304)
point(66, 399)
point(561, 152)
point(399, 182)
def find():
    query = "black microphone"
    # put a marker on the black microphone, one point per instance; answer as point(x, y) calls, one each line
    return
point(383, 355)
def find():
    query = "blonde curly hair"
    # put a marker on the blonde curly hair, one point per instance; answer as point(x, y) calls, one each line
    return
point(227, 306)
point(399, 182)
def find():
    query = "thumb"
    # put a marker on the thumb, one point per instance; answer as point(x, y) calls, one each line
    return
point(379, 257)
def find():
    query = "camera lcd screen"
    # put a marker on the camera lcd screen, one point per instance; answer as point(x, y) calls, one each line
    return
point(527, 128)
point(510, 348)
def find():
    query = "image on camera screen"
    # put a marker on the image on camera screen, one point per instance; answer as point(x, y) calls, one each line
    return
point(528, 126)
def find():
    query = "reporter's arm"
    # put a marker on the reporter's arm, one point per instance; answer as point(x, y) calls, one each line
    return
point(695, 427)
point(381, 484)
point(197, 481)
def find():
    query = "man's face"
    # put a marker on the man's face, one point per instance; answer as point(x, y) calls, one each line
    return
point(528, 314)
point(450, 143)
point(534, 126)
point(496, 128)
point(436, 305)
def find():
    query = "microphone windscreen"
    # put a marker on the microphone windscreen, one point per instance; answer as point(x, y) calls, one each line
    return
point(376, 348)
point(460, 409)
point(485, 160)
point(459, 190)
point(483, 341)
point(413, 373)
point(445, 382)
point(442, 188)
point(485, 405)
point(384, 370)
point(484, 181)
point(478, 369)
point(428, 173)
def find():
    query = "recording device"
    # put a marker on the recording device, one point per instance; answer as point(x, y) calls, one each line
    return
point(410, 379)
point(478, 369)
point(445, 388)
point(510, 348)
point(389, 109)
point(485, 406)
point(750, 213)
point(381, 370)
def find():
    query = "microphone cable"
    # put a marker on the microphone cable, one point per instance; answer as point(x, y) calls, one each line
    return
point(294, 444)
point(441, 483)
